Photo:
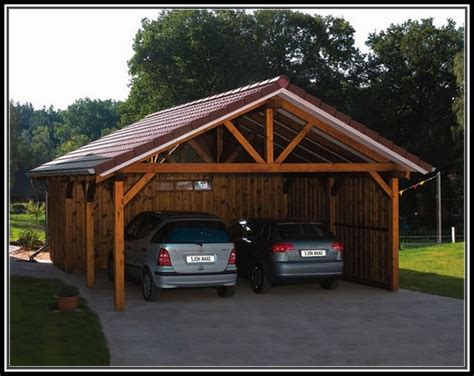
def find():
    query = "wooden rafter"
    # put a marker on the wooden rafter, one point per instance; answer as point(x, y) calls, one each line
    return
point(243, 141)
point(294, 143)
point(259, 167)
point(235, 153)
point(137, 187)
point(381, 183)
point(345, 139)
point(200, 150)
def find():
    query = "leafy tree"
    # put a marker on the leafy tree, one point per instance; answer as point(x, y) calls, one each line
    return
point(190, 54)
point(72, 143)
point(412, 86)
point(87, 117)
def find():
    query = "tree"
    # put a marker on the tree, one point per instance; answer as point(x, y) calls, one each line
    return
point(189, 54)
point(87, 117)
point(412, 86)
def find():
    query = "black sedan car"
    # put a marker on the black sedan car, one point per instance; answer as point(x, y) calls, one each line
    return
point(272, 251)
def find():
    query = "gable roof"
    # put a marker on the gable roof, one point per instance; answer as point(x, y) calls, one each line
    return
point(163, 128)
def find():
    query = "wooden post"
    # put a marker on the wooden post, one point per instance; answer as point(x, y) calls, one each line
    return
point(219, 143)
point(89, 191)
point(394, 233)
point(68, 230)
point(119, 267)
point(269, 134)
point(331, 205)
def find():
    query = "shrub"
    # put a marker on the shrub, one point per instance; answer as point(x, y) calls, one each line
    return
point(36, 208)
point(67, 291)
point(18, 208)
point(29, 237)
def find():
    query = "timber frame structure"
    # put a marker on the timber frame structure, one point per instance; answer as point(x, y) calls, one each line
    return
point(268, 149)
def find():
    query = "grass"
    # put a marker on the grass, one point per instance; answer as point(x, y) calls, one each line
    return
point(20, 222)
point(436, 269)
point(41, 335)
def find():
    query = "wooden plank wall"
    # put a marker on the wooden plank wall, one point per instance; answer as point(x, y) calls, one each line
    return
point(67, 253)
point(232, 196)
point(307, 199)
point(362, 221)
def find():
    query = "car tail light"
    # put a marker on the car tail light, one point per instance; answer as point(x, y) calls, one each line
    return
point(283, 247)
point(232, 257)
point(163, 258)
point(338, 246)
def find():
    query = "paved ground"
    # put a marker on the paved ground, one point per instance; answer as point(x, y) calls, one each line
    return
point(292, 326)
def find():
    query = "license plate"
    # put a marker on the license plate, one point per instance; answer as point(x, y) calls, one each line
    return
point(313, 253)
point(197, 259)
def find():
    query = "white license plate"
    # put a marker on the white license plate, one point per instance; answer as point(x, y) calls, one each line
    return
point(196, 259)
point(313, 253)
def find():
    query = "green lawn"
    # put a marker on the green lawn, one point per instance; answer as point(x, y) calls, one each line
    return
point(41, 335)
point(19, 222)
point(437, 269)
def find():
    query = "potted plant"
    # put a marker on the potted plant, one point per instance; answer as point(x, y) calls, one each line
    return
point(67, 297)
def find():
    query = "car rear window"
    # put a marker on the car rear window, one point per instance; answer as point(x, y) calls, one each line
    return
point(303, 231)
point(195, 232)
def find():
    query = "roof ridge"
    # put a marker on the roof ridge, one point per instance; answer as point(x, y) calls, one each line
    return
point(282, 80)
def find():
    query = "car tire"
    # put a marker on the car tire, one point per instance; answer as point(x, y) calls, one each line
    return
point(226, 291)
point(329, 284)
point(110, 268)
point(258, 279)
point(151, 292)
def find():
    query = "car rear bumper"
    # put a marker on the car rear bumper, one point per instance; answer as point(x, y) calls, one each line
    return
point(316, 270)
point(170, 280)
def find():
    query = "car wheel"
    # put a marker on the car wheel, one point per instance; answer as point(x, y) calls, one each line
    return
point(258, 279)
point(329, 284)
point(110, 268)
point(151, 292)
point(226, 291)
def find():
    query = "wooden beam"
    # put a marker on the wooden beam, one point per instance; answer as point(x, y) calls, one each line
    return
point(331, 200)
point(119, 266)
point(257, 167)
point(219, 143)
point(394, 236)
point(137, 187)
point(200, 151)
point(269, 135)
point(381, 183)
point(294, 143)
point(233, 156)
point(348, 140)
point(243, 141)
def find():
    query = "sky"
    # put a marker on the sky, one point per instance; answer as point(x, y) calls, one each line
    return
point(57, 56)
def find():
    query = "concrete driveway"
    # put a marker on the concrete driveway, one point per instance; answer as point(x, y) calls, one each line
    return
point(300, 325)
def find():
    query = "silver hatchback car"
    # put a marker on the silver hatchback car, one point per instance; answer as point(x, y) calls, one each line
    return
point(166, 250)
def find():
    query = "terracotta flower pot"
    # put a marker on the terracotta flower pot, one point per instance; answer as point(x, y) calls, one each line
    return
point(67, 303)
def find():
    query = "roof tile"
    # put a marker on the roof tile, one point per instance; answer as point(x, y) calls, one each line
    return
point(372, 134)
point(358, 126)
point(295, 89)
point(329, 109)
point(313, 100)
point(343, 117)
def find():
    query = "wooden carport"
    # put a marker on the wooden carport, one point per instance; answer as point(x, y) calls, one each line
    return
point(267, 149)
